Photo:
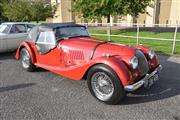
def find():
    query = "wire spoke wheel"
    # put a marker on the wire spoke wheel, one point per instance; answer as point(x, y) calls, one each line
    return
point(102, 85)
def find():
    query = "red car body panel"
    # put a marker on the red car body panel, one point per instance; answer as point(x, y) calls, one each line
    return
point(30, 50)
point(71, 58)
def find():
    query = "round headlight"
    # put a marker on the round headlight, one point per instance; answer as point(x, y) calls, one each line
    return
point(134, 62)
point(151, 54)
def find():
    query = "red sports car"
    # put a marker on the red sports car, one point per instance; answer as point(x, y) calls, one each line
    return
point(111, 69)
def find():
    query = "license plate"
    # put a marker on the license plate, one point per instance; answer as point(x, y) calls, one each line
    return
point(149, 82)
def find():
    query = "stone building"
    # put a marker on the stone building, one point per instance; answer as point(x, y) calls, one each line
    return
point(163, 12)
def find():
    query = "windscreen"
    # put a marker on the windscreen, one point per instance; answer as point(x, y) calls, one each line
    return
point(67, 32)
point(33, 34)
point(4, 28)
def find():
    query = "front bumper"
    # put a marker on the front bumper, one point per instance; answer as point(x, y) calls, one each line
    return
point(146, 81)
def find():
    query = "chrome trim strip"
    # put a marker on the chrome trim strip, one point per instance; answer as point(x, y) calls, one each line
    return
point(94, 49)
point(135, 86)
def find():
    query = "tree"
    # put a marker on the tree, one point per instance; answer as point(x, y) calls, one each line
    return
point(27, 10)
point(40, 10)
point(17, 10)
point(95, 9)
point(2, 17)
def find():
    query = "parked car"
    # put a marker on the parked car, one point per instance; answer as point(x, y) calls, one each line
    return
point(12, 34)
point(111, 69)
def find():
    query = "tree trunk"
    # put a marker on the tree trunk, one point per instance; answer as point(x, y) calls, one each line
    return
point(109, 18)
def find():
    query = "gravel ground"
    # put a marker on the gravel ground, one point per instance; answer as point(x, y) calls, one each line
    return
point(45, 95)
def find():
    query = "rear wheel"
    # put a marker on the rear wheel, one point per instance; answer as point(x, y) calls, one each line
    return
point(26, 60)
point(104, 84)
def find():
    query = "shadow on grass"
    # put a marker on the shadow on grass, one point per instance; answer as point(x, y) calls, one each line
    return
point(163, 53)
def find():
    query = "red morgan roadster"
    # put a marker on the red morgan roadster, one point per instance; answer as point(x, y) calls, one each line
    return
point(111, 69)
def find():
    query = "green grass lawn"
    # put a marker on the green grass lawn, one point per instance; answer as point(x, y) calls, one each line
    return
point(164, 47)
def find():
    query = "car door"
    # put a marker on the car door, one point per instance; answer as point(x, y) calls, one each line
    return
point(4, 30)
point(29, 27)
point(47, 53)
point(3, 43)
point(17, 34)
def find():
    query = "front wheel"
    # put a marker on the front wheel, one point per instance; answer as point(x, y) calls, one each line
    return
point(105, 85)
point(26, 60)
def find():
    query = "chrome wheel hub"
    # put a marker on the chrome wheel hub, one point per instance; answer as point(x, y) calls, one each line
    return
point(102, 86)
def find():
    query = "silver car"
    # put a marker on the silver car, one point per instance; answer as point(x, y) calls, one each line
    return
point(12, 34)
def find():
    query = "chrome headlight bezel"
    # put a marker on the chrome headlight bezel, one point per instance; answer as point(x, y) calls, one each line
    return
point(151, 54)
point(134, 62)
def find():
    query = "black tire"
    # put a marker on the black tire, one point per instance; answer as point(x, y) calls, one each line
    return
point(25, 57)
point(118, 92)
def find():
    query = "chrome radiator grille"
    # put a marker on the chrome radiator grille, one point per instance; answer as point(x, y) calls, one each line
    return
point(142, 62)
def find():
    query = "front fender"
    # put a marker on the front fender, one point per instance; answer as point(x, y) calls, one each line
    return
point(30, 50)
point(119, 67)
